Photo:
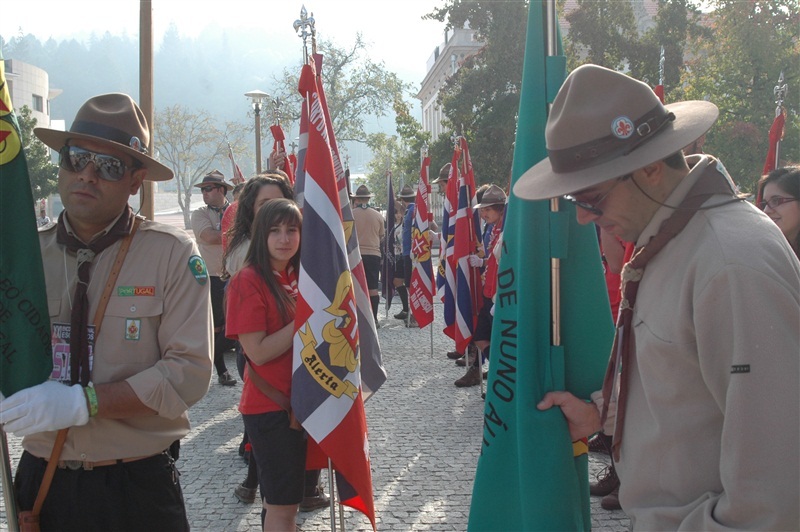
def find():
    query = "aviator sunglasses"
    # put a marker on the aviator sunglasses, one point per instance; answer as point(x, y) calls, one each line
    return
point(108, 167)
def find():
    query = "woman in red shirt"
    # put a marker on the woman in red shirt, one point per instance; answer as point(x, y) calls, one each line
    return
point(261, 306)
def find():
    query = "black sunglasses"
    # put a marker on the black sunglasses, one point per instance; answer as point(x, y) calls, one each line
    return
point(594, 206)
point(108, 167)
point(209, 189)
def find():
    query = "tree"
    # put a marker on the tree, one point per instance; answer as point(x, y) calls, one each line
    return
point(737, 69)
point(600, 33)
point(43, 173)
point(192, 145)
point(481, 99)
point(355, 87)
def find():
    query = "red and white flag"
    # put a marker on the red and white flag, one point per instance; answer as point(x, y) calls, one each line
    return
point(238, 177)
point(775, 137)
point(280, 146)
point(420, 293)
point(327, 394)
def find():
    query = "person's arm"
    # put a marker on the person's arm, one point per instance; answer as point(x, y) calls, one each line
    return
point(117, 400)
point(210, 236)
point(262, 347)
point(203, 230)
point(583, 418)
point(277, 160)
point(746, 324)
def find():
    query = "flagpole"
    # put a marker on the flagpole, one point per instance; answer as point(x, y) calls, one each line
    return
point(8, 485)
point(423, 153)
point(551, 20)
point(780, 95)
point(332, 489)
point(389, 232)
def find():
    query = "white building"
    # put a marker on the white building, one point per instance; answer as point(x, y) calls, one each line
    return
point(30, 85)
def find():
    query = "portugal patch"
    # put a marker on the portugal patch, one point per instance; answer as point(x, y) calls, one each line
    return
point(198, 268)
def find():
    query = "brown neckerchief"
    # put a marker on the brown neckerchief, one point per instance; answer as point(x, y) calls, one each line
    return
point(79, 319)
point(711, 182)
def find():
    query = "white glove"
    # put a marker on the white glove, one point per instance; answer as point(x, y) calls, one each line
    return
point(44, 407)
point(475, 261)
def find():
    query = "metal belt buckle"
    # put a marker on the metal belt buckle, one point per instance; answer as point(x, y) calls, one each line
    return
point(73, 464)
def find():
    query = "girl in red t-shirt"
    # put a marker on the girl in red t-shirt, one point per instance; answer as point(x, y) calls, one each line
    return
point(261, 306)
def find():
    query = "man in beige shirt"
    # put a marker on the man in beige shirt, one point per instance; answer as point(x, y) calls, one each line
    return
point(207, 227)
point(371, 230)
point(122, 383)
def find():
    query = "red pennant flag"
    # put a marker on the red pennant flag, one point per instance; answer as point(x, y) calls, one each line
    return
point(421, 290)
point(279, 145)
point(238, 177)
point(775, 136)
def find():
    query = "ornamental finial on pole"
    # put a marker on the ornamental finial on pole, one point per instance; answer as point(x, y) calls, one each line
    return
point(304, 27)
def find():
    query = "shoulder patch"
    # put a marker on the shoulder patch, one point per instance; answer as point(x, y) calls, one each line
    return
point(198, 268)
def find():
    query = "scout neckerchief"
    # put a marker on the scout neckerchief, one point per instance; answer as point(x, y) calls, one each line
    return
point(79, 319)
point(288, 280)
point(709, 183)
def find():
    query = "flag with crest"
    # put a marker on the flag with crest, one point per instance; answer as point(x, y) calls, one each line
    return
point(387, 271)
point(420, 293)
point(447, 265)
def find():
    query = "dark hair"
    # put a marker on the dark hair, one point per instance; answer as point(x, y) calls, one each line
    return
point(245, 210)
point(788, 180)
point(272, 214)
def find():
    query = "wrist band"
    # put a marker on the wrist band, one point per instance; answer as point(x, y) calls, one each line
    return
point(91, 398)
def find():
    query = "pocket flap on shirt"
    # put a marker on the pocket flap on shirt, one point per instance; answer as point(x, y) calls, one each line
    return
point(133, 307)
point(53, 307)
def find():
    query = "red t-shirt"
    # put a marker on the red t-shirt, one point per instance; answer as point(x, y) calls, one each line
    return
point(227, 221)
point(251, 308)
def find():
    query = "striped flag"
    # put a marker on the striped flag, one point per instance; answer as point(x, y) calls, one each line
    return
point(469, 289)
point(25, 337)
point(448, 264)
point(387, 273)
point(279, 145)
point(326, 381)
point(238, 177)
point(420, 293)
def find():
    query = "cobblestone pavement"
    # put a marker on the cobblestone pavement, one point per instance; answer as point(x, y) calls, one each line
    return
point(425, 437)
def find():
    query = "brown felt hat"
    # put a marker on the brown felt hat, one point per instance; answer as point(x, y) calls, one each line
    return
point(361, 192)
point(604, 124)
point(494, 195)
point(407, 193)
point(112, 119)
point(214, 177)
point(444, 174)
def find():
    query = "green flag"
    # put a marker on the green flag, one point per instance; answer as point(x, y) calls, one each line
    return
point(25, 352)
point(528, 476)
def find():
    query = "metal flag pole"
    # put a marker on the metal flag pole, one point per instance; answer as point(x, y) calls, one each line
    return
point(304, 27)
point(8, 485)
point(423, 153)
point(662, 60)
point(332, 489)
point(390, 224)
point(551, 19)
point(780, 90)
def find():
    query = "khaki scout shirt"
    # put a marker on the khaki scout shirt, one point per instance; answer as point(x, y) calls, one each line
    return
point(204, 218)
point(156, 335)
point(370, 228)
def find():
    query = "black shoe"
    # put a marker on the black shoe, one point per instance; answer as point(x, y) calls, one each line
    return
point(454, 355)
point(611, 501)
point(244, 494)
point(471, 378)
point(226, 380)
point(605, 484)
point(403, 314)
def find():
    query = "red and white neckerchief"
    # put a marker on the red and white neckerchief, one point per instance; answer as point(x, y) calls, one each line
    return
point(288, 280)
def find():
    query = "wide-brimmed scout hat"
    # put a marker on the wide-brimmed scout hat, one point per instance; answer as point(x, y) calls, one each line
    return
point(361, 192)
point(444, 174)
point(112, 119)
point(214, 177)
point(603, 125)
point(407, 193)
point(493, 195)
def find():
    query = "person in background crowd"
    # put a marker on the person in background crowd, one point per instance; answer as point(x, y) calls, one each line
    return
point(129, 377)
point(708, 390)
point(780, 200)
point(407, 196)
point(207, 227)
point(43, 219)
point(370, 228)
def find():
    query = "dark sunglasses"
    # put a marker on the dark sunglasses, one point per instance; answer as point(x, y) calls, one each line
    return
point(208, 189)
point(108, 167)
point(594, 207)
point(774, 202)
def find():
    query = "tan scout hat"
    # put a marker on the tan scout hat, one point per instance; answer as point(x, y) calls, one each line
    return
point(604, 124)
point(494, 195)
point(407, 193)
point(214, 177)
point(362, 192)
point(112, 119)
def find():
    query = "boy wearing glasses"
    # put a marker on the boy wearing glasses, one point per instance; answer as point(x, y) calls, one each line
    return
point(207, 227)
point(131, 335)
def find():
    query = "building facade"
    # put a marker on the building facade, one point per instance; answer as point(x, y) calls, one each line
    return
point(30, 85)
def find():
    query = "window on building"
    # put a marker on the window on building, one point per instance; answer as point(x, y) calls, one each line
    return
point(38, 103)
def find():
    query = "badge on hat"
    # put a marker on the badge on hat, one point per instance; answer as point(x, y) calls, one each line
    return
point(622, 127)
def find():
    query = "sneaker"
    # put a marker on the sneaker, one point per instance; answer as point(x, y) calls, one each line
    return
point(605, 484)
point(454, 355)
point(314, 502)
point(245, 494)
point(611, 501)
point(403, 314)
point(226, 380)
point(471, 378)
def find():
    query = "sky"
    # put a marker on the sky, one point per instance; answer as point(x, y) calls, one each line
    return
point(393, 29)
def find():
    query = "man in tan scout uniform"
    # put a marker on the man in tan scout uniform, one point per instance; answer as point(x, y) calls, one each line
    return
point(705, 363)
point(371, 229)
point(121, 391)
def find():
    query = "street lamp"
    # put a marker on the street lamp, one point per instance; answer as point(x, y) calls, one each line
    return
point(257, 97)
